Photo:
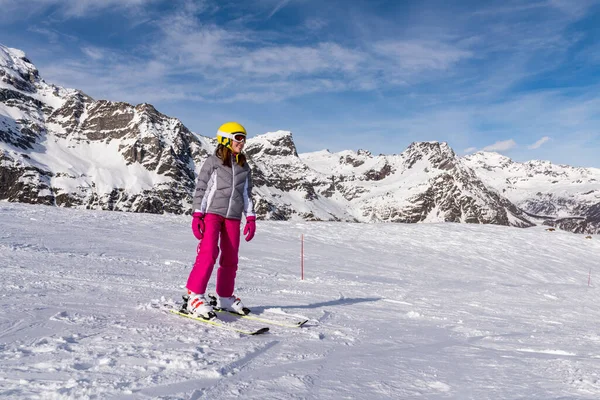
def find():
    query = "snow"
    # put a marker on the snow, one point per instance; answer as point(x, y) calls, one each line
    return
point(268, 137)
point(94, 162)
point(12, 62)
point(521, 182)
point(402, 311)
point(404, 178)
point(329, 164)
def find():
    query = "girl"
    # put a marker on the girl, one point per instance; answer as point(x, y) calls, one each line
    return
point(223, 193)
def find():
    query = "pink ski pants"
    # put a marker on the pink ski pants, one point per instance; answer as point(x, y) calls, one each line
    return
point(228, 231)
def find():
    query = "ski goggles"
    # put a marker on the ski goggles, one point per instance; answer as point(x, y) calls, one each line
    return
point(239, 137)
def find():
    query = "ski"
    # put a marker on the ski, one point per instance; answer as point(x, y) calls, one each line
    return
point(298, 324)
point(220, 324)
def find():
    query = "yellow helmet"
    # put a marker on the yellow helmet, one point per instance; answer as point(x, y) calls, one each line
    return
point(227, 131)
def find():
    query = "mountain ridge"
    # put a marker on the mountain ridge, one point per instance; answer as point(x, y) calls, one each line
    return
point(61, 147)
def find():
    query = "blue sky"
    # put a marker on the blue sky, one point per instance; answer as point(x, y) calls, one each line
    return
point(518, 77)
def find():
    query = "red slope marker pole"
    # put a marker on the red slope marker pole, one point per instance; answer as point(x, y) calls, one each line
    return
point(590, 277)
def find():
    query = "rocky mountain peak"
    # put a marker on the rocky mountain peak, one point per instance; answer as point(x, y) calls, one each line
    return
point(147, 109)
point(16, 70)
point(354, 159)
point(279, 143)
point(488, 160)
point(439, 155)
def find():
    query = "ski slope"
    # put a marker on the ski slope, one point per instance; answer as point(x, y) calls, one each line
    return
point(422, 311)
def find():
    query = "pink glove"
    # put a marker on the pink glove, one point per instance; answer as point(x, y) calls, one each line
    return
point(198, 225)
point(250, 228)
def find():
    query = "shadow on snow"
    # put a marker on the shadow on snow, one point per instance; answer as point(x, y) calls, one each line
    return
point(330, 303)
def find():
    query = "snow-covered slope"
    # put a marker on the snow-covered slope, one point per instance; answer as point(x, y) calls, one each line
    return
point(396, 311)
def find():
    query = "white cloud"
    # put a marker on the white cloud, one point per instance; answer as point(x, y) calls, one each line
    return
point(315, 24)
point(539, 143)
point(81, 8)
point(504, 145)
point(52, 35)
point(235, 59)
point(306, 60)
point(278, 7)
point(510, 9)
point(420, 54)
point(575, 9)
point(93, 52)
point(18, 9)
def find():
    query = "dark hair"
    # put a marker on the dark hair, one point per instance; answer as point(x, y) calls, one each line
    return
point(224, 153)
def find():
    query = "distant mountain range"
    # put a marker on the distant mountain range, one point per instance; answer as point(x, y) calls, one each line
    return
point(61, 147)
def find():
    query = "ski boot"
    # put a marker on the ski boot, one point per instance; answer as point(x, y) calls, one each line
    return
point(230, 304)
point(197, 305)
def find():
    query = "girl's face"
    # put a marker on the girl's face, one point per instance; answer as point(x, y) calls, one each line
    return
point(238, 143)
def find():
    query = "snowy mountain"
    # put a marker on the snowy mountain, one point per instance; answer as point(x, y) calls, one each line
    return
point(426, 183)
point(561, 195)
point(61, 147)
point(286, 187)
point(396, 311)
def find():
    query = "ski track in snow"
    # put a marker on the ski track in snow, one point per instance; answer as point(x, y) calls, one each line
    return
point(433, 311)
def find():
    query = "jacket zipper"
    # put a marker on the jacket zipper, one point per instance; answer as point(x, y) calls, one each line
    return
point(232, 187)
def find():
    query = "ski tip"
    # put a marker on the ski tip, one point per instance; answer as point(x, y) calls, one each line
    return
point(260, 331)
point(301, 323)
